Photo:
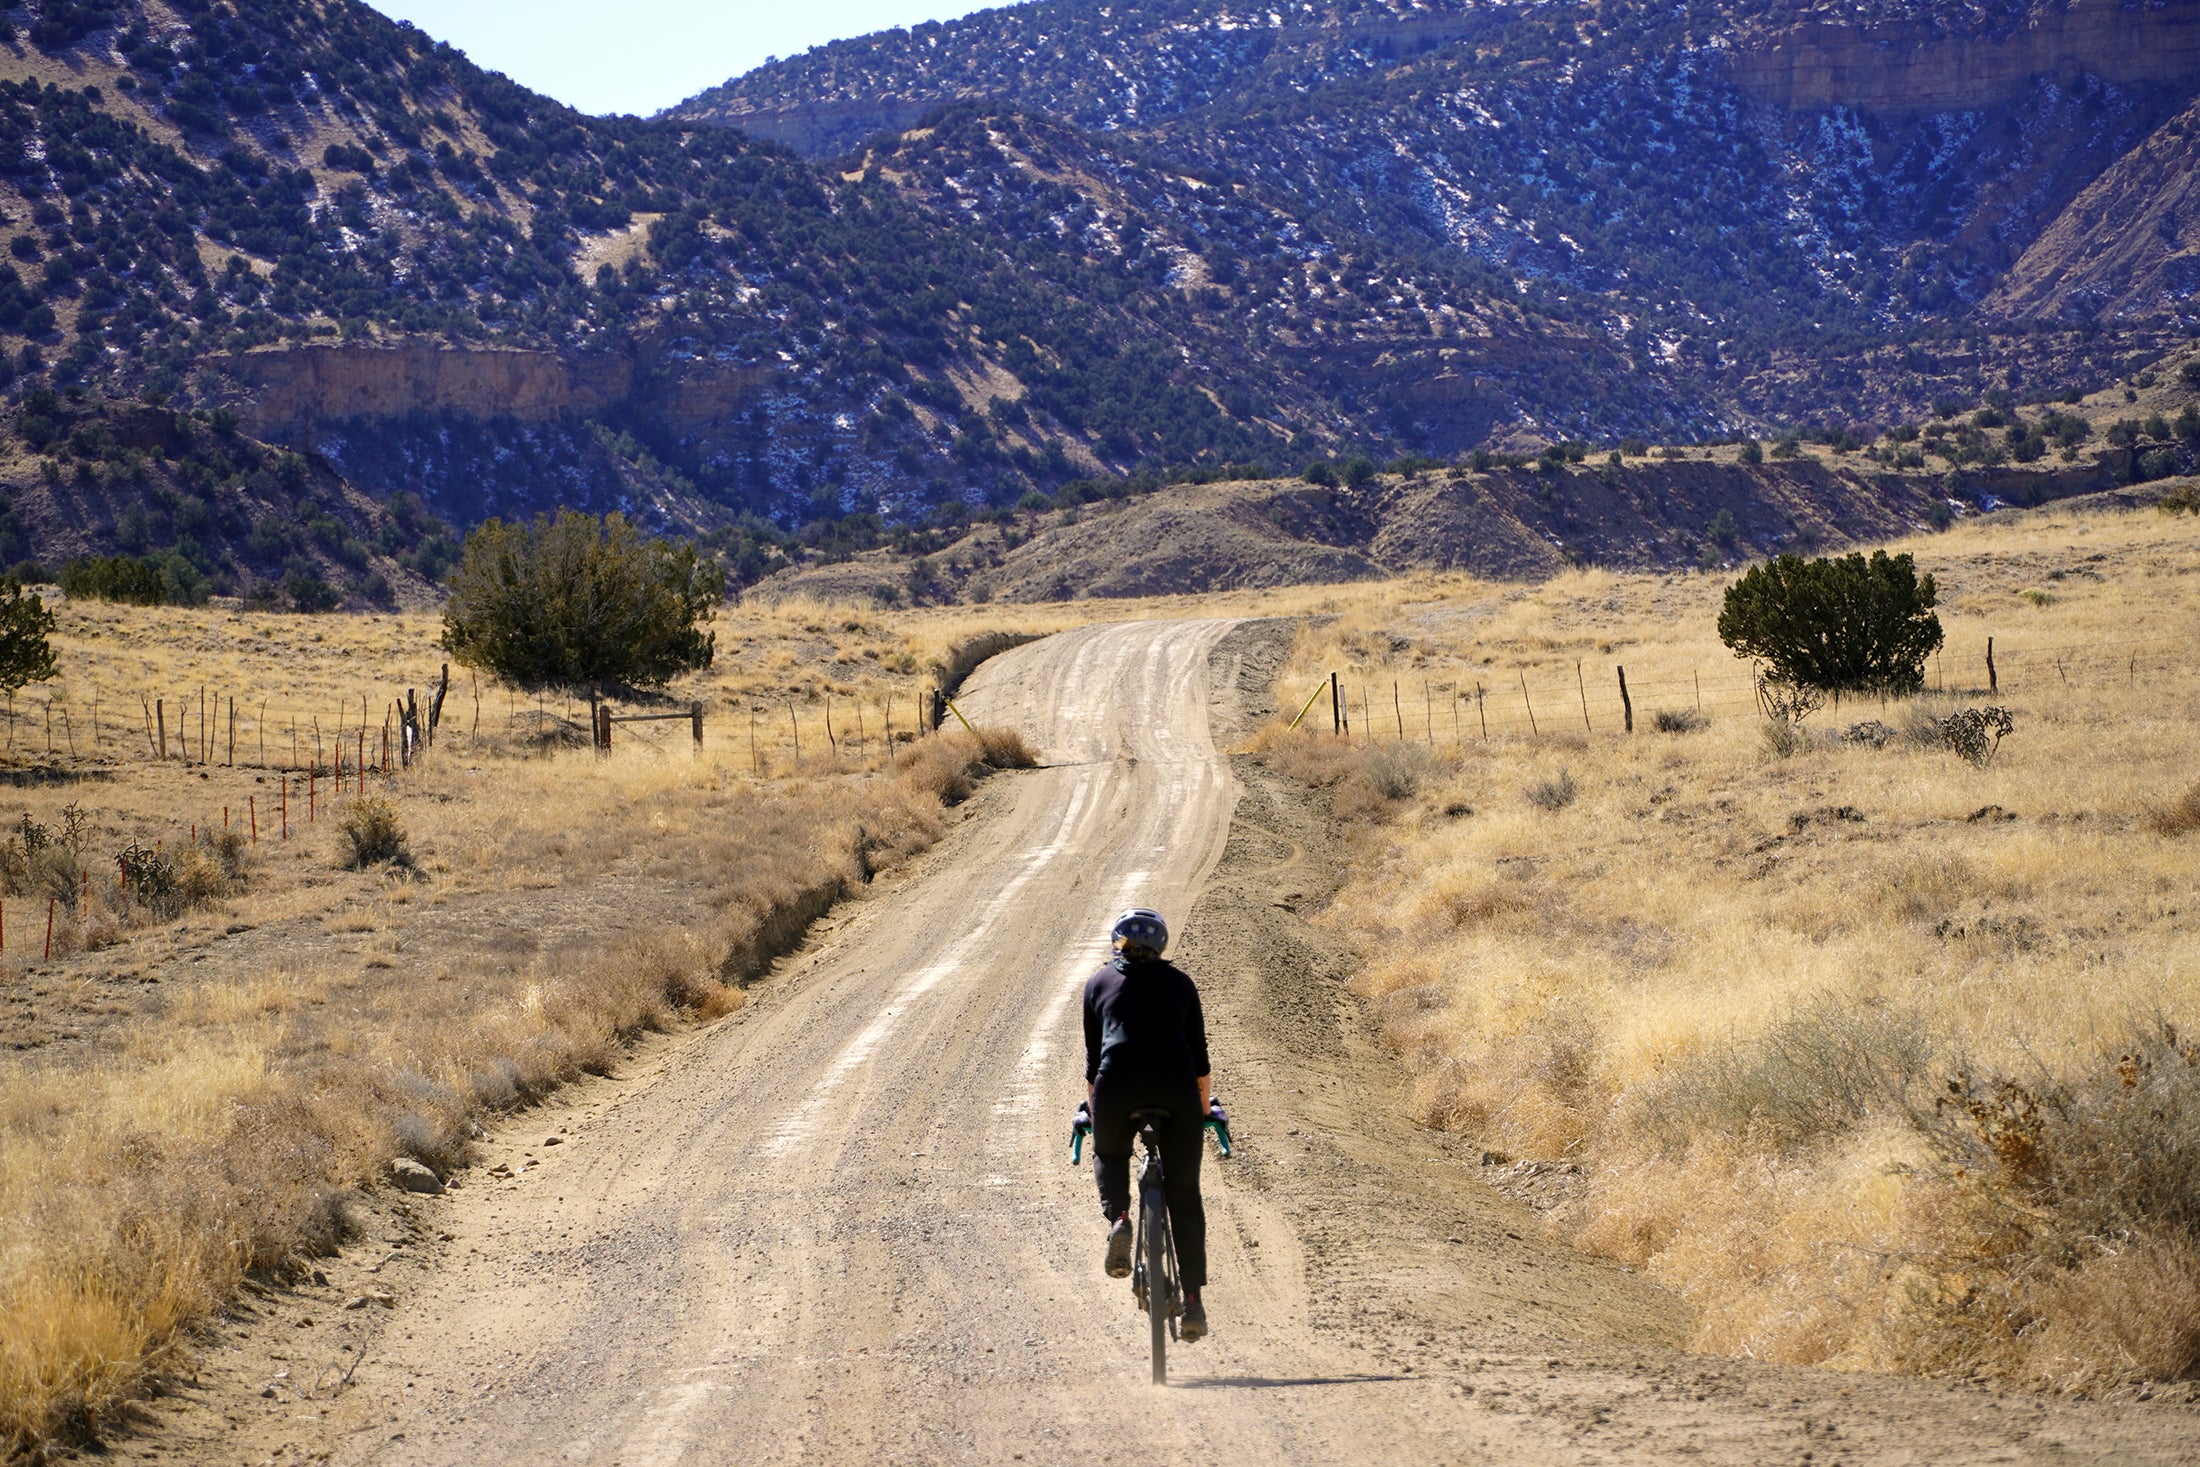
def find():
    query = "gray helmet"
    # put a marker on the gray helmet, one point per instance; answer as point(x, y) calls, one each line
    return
point(1143, 926)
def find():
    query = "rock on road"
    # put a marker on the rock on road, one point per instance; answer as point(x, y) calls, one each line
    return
point(840, 1228)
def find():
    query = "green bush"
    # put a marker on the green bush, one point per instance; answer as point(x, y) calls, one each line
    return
point(123, 578)
point(1837, 624)
point(371, 829)
point(26, 654)
point(572, 600)
point(311, 594)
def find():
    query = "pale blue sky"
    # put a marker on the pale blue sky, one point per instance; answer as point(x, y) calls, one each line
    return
point(641, 55)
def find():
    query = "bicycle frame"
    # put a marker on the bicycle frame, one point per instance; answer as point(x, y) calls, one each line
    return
point(1154, 1253)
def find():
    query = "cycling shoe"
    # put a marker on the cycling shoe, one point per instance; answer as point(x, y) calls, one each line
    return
point(1193, 1326)
point(1119, 1249)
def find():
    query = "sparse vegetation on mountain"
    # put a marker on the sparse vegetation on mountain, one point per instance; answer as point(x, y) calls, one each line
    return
point(1326, 238)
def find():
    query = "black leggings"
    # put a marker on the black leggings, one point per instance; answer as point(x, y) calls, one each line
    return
point(1114, 1097)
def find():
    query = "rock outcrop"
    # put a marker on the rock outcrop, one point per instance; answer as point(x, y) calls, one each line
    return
point(1913, 68)
point(286, 389)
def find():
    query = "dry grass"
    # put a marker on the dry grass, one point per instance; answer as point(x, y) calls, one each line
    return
point(142, 1185)
point(159, 1143)
point(1734, 986)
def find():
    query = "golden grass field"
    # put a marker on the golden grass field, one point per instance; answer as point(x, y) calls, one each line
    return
point(1615, 982)
point(1877, 1057)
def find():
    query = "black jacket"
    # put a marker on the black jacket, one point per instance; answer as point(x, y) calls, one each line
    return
point(1143, 1018)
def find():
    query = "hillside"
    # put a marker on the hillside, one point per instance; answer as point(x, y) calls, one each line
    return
point(1747, 213)
point(1519, 522)
point(1135, 242)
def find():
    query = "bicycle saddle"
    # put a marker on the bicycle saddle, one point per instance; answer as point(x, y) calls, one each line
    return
point(1149, 1115)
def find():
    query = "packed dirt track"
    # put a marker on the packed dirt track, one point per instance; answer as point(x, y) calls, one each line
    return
point(839, 1226)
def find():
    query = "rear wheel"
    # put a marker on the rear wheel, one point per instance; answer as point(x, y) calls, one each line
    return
point(1160, 1288)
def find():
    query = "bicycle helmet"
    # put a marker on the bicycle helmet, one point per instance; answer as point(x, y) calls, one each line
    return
point(1142, 926)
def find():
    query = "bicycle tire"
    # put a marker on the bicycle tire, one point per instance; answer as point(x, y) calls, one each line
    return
point(1160, 1287)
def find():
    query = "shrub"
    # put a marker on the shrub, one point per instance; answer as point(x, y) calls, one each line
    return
point(370, 827)
point(573, 600)
point(1818, 1070)
point(1554, 794)
point(1679, 720)
point(311, 594)
point(2179, 815)
point(1783, 737)
point(1974, 735)
point(1006, 748)
point(123, 578)
point(2073, 1185)
point(1319, 472)
point(1396, 771)
point(26, 656)
point(1835, 625)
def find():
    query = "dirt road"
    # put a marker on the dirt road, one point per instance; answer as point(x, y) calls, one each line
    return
point(839, 1226)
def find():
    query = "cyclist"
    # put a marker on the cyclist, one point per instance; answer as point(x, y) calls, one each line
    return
point(1146, 1047)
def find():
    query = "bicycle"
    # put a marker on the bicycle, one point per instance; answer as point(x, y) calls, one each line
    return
point(1155, 1283)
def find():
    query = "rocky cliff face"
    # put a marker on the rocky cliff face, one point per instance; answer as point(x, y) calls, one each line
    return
point(1918, 67)
point(288, 391)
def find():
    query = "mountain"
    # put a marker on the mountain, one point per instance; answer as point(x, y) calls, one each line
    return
point(1059, 244)
point(1748, 212)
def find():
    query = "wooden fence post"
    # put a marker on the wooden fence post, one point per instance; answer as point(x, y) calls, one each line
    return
point(796, 724)
point(1481, 710)
point(1337, 721)
point(1627, 704)
point(1580, 683)
point(1398, 710)
point(695, 711)
point(1529, 703)
point(160, 711)
point(1993, 678)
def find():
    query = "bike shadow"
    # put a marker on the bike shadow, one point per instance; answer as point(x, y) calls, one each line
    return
point(1272, 1382)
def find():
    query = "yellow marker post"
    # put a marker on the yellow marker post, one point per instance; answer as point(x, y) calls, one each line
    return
point(950, 702)
point(1319, 688)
